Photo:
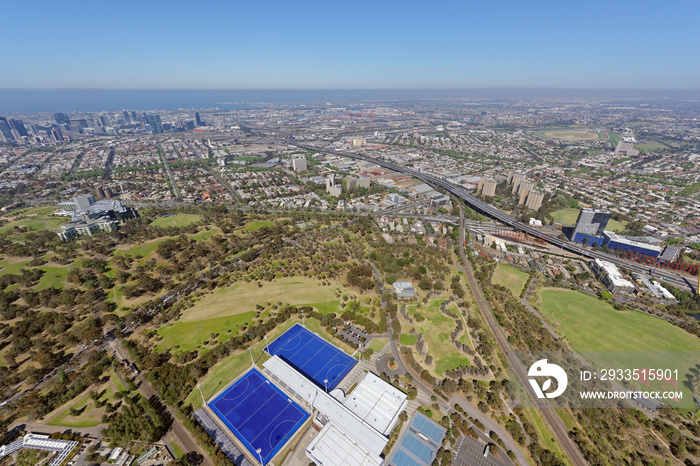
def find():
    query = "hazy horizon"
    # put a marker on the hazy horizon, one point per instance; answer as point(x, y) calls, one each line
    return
point(95, 100)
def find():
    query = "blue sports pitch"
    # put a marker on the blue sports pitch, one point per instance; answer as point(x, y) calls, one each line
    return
point(313, 356)
point(259, 414)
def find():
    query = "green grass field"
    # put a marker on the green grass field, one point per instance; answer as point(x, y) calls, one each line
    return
point(407, 339)
point(179, 220)
point(378, 344)
point(436, 329)
point(566, 216)
point(243, 297)
point(590, 324)
point(572, 134)
point(144, 249)
point(255, 225)
point(90, 417)
point(510, 277)
point(595, 325)
point(188, 336)
point(13, 265)
point(54, 277)
point(651, 146)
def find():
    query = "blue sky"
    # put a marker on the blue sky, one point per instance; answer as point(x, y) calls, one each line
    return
point(153, 44)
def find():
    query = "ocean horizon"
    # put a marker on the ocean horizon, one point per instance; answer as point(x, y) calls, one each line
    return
point(96, 100)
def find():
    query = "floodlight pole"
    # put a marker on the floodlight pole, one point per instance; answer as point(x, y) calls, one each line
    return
point(259, 452)
point(200, 392)
point(267, 345)
point(303, 324)
point(252, 361)
point(325, 382)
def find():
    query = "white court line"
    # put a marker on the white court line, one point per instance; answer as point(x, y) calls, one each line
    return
point(244, 399)
point(273, 420)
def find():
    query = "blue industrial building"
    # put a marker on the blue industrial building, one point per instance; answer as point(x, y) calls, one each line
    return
point(620, 243)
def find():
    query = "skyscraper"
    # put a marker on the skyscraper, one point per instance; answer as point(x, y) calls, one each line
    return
point(197, 119)
point(590, 226)
point(61, 118)
point(5, 130)
point(19, 127)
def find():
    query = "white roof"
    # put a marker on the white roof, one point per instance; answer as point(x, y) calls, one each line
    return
point(403, 286)
point(333, 447)
point(614, 274)
point(336, 413)
point(377, 403)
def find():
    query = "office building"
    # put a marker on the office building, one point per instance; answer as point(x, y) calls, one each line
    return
point(299, 165)
point(487, 186)
point(5, 130)
point(590, 226)
point(197, 119)
point(61, 118)
point(18, 126)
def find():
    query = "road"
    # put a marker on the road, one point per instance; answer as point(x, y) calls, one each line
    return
point(178, 432)
point(176, 191)
point(550, 416)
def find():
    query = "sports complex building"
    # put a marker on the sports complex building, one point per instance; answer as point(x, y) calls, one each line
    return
point(267, 410)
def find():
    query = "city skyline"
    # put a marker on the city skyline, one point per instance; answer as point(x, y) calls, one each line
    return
point(221, 45)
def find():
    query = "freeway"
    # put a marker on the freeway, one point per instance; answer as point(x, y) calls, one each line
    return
point(675, 279)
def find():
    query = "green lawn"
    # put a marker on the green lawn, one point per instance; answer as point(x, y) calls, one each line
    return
point(179, 220)
point(566, 216)
point(205, 234)
point(255, 225)
point(188, 336)
point(144, 249)
point(378, 344)
point(12, 266)
point(436, 329)
point(90, 417)
point(242, 297)
point(590, 324)
point(177, 451)
point(512, 278)
point(54, 277)
point(328, 307)
point(407, 339)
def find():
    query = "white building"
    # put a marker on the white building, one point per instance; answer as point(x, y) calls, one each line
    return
point(611, 277)
point(404, 290)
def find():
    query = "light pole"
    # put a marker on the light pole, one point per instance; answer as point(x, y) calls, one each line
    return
point(252, 361)
point(267, 345)
point(259, 452)
point(303, 324)
point(200, 392)
point(325, 382)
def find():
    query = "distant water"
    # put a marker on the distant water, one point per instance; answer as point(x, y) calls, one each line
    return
point(32, 101)
point(695, 316)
